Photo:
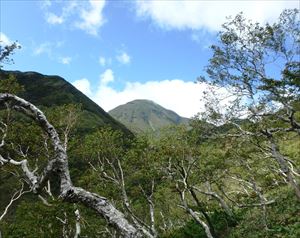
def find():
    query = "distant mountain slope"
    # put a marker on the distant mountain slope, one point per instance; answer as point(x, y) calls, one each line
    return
point(49, 91)
point(145, 115)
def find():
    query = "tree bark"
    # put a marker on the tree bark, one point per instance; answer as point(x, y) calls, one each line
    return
point(219, 199)
point(204, 213)
point(284, 166)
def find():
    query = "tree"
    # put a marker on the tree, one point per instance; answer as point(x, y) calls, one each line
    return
point(125, 169)
point(194, 171)
point(10, 85)
point(246, 62)
point(6, 52)
point(58, 165)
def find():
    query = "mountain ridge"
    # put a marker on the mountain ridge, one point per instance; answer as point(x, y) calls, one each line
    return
point(52, 90)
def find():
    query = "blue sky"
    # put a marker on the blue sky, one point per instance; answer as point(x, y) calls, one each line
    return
point(117, 51)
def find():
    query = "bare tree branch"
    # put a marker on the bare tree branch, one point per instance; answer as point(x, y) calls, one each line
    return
point(14, 198)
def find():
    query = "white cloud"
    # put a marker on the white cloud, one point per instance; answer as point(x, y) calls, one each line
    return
point(123, 58)
point(4, 40)
point(85, 15)
point(69, 8)
point(185, 98)
point(43, 48)
point(54, 19)
point(65, 60)
point(208, 15)
point(83, 85)
point(51, 50)
point(45, 3)
point(177, 95)
point(91, 17)
point(106, 77)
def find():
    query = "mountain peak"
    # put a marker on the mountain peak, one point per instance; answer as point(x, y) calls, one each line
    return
point(146, 101)
point(142, 115)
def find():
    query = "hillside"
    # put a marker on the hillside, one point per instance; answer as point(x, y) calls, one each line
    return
point(50, 91)
point(144, 116)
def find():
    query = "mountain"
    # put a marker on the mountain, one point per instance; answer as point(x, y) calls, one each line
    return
point(50, 91)
point(144, 116)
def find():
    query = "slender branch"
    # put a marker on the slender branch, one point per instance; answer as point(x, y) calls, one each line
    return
point(44, 201)
point(78, 228)
point(14, 198)
point(218, 198)
point(151, 207)
point(193, 214)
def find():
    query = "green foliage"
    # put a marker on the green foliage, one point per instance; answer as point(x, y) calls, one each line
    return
point(35, 220)
point(283, 218)
point(192, 230)
point(10, 85)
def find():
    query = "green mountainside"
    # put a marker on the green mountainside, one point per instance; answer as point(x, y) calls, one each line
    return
point(51, 91)
point(146, 116)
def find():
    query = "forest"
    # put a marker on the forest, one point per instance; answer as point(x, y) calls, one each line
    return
point(233, 171)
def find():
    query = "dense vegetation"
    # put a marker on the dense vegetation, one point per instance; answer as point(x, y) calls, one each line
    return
point(233, 172)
